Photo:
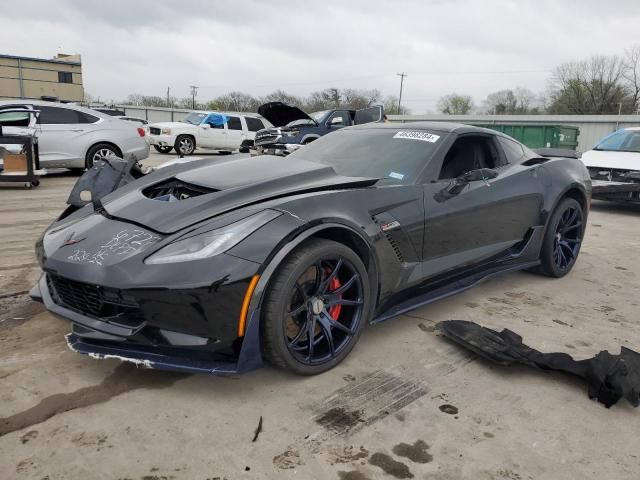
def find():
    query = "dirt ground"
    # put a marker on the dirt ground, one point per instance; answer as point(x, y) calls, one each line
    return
point(405, 404)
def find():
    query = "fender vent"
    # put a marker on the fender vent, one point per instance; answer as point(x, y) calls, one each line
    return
point(174, 190)
point(395, 246)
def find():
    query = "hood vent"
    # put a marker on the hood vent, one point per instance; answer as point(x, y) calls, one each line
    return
point(174, 190)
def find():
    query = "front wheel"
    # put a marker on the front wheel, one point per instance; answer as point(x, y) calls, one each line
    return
point(315, 308)
point(163, 149)
point(185, 145)
point(563, 238)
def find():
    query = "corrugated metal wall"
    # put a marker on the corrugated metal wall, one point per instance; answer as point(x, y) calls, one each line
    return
point(592, 127)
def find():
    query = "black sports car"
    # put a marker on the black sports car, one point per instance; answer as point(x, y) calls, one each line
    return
point(215, 267)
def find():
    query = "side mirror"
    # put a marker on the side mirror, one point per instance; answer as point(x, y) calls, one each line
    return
point(477, 175)
point(335, 121)
point(205, 126)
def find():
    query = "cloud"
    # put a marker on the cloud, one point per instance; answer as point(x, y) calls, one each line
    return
point(255, 46)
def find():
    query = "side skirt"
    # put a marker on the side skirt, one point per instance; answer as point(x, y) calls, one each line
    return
point(447, 290)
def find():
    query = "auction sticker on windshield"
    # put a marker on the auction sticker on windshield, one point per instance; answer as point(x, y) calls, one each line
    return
point(417, 135)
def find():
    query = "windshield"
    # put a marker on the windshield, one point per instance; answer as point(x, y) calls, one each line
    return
point(194, 118)
point(396, 155)
point(621, 141)
point(318, 116)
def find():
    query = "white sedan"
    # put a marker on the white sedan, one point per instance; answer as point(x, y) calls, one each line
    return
point(614, 166)
point(70, 136)
point(205, 130)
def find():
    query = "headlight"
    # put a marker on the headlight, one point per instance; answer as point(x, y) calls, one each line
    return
point(165, 131)
point(291, 133)
point(211, 243)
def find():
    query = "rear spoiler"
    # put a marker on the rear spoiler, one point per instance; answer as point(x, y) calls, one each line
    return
point(557, 152)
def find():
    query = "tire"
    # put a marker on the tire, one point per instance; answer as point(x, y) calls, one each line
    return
point(562, 239)
point(294, 307)
point(160, 149)
point(185, 145)
point(101, 150)
point(309, 140)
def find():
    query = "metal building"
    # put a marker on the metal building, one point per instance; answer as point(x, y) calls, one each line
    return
point(34, 78)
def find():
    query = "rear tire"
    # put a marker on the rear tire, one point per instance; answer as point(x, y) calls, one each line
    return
point(326, 284)
point(185, 145)
point(162, 149)
point(562, 240)
point(100, 151)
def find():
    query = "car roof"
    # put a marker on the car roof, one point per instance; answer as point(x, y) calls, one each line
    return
point(448, 127)
point(72, 106)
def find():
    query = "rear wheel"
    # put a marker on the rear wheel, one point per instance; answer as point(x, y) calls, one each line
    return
point(185, 145)
point(563, 238)
point(101, 151)
point(163, 149)
point(316, 307)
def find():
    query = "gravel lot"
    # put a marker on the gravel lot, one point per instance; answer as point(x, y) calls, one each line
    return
point(445, 414)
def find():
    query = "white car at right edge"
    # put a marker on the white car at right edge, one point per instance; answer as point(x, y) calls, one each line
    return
point(614, 166)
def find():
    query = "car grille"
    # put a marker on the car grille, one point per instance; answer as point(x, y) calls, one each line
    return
point(613, 174)
point(95, 301)
point(154, 131)
point(265, 137)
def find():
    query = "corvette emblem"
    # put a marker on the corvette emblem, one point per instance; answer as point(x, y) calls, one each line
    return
point(72, 241)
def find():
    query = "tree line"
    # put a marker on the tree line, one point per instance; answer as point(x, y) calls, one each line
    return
point(326, 99)
point(596, 85)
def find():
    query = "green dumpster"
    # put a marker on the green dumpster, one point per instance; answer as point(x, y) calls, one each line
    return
point(539, 136)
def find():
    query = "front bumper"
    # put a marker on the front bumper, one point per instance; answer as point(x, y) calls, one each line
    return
point(281, 149)
point(175, 333)
point(615, 191)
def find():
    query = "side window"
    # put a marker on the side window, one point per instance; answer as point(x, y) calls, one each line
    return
point(254, 124)
point(469, 153)
point(234, 123)
point(513, 151)
point(63, 116)
point(339, 119)
point(65, 77)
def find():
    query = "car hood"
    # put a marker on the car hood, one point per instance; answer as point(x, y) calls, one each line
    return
point(223, 186)
point(170, 125)
point(616, 160)
point(280, 114)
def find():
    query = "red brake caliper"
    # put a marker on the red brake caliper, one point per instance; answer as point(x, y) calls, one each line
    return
point(334, 311)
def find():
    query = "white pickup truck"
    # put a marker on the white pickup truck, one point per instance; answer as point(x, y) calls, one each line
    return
point(203, 130)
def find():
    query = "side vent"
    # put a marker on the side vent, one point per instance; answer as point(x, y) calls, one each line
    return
point(173, 190)
point(395, 247)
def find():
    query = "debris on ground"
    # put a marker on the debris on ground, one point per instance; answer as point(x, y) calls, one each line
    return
point(610, 377)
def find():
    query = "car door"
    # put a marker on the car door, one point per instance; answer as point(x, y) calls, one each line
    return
point(236, 132)
point(253, 125)
point(467, 223)
point(211, 133)
point(60, 135)
point(369, 115)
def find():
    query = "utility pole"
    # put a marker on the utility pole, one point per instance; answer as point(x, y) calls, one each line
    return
point(401, 75)
point(168, 97)
point(194, 92)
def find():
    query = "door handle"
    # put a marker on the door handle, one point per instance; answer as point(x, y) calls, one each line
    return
point(77, 130)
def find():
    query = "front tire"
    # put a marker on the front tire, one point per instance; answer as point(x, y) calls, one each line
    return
point(162, 149)
point(563, 238)
point(185, 145)
point(316, 307)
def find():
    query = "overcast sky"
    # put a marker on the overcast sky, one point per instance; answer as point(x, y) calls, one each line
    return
point(449, 46)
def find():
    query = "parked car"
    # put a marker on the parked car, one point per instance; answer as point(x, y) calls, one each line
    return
point(614, 166)
point(203, 130)
point(214, 267)
point(294, 128)
point(74, 137)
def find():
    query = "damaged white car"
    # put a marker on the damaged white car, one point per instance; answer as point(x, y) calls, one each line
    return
point(614, 166)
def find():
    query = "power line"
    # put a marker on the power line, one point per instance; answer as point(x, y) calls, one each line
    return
point(401, 75)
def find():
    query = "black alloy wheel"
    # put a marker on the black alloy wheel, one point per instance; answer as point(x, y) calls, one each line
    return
point(315, 308)
point(563, 239)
